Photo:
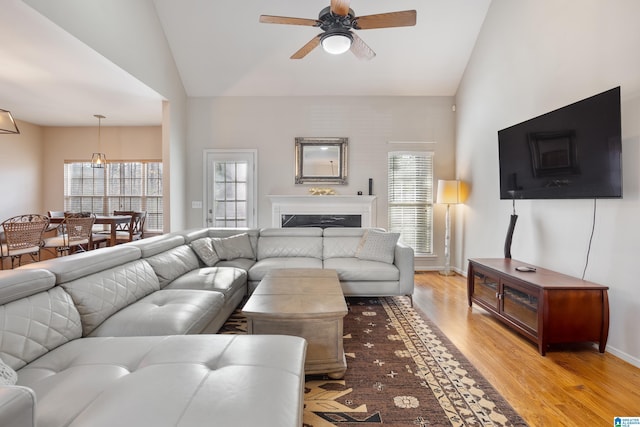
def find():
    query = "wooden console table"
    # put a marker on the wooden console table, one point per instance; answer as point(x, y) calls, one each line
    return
point(544, 306)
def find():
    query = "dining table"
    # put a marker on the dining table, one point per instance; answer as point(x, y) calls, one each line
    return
point(111, 220)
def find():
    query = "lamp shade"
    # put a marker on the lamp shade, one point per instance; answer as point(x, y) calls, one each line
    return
point(449, 192)
point(7, 124)
point(336, 44)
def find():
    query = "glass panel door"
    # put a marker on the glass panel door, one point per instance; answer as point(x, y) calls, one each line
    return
point(520, 306)
point(230, 188)
point(485, 288)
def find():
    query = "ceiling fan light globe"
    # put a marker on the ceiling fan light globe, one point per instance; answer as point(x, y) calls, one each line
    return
point(336, 44)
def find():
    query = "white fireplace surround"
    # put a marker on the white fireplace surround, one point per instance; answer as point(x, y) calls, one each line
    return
point(365, 206)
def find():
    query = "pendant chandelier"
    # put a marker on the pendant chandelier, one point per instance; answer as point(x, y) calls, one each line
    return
point(7, 124)
point(98, 160)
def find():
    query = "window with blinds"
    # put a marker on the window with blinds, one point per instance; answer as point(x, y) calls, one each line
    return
point(410, 178)
point(125, 186)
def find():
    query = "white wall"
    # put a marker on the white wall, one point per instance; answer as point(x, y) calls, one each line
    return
point(270, 125)
point(21, 162)
point(534, 56)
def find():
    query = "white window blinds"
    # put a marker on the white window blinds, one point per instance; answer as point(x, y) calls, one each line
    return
point(410, 178)
point(133, 186)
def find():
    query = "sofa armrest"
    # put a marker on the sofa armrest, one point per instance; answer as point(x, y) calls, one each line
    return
point(17, 406)
point(404, 260)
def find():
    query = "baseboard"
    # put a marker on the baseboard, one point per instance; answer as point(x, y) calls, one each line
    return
point(624, 356)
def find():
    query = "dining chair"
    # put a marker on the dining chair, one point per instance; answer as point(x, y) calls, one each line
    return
point(132, 231)
point(22, 236)
point(75, 234)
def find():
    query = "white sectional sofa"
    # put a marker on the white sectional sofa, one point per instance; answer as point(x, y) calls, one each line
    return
point(125, 335)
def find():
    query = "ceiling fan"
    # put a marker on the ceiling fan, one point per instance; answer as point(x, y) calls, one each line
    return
point(337, 21)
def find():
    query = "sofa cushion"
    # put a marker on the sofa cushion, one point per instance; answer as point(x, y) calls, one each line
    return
point(222, 279)
point(165, 312)
point(232, 247)
point(188, 381)
point(173, 263)
point(33, 326)
point(81, 264)
point(241, 263)
point(288, 244)
point(377, 246)
point(203, 247)
point(98, 296)
point(356, 269)
point(150, 246)
point(340, 246)
point(20, 283)
point(262, 267)
point(7, 375)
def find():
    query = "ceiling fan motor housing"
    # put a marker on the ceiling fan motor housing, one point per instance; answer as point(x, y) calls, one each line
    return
point(330, 22)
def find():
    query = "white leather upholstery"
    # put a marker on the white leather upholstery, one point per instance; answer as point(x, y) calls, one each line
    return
point(173, 263)
point(100, 295)
point(189, 381)
point(17, 407)
point(16, 284)
point(32, 326)
point(166, 312)
point(225, 280)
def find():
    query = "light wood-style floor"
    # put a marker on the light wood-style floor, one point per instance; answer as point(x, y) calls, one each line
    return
point(571, 386)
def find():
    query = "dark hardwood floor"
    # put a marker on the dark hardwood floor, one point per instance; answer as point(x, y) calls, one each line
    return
point(572, 385)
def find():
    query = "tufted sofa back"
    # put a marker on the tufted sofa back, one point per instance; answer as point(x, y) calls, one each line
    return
point(290, 242)
point(35, 316)
point(99, 295)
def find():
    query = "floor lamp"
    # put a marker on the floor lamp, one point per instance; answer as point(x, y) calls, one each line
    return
point(449, 193)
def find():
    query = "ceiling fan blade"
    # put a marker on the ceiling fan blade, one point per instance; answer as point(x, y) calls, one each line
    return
point(340, 7)
point(405, 18)
point(269, 19)
point(360, 49)
point(304, 50)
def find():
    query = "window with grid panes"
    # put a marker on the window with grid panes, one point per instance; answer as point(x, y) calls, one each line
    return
point(410, 180)
point(118, 186)
point(230, 193)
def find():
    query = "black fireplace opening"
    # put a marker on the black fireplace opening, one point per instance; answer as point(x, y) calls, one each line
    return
point(324, 221)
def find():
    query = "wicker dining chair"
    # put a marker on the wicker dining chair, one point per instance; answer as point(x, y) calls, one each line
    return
point(23, 236)
point(75, 234)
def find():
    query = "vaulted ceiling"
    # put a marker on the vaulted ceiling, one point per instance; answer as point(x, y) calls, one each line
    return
point(50, 78)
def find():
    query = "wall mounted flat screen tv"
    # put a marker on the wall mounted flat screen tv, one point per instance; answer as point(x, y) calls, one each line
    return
point(574, 152)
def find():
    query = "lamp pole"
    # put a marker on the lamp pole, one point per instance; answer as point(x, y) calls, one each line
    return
point(447, 241)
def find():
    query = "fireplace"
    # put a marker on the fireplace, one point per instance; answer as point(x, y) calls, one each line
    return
point(323, 211)
point(323, 221)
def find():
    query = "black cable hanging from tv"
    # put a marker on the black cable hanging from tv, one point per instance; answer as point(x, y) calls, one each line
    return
point(512, 226)
point(593, 228)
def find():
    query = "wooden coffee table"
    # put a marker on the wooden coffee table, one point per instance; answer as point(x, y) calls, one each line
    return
point(307, 303)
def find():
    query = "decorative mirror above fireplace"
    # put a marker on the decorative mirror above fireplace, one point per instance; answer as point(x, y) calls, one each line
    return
point(321, 160)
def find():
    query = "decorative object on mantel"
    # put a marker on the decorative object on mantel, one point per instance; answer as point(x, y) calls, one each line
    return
point(98, 160)
point(321, 160)
point(7, 124)
point(450, 192)
point(319, 191)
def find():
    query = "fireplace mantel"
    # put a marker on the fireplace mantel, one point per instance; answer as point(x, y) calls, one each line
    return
point(365, 206)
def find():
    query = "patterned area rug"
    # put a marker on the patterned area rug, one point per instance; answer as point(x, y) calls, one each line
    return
point(402, 371)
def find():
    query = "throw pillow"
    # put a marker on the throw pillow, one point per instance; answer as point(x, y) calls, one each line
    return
point(204, 249)
point(238, 246)
point(7, 375)
point(377, 246)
